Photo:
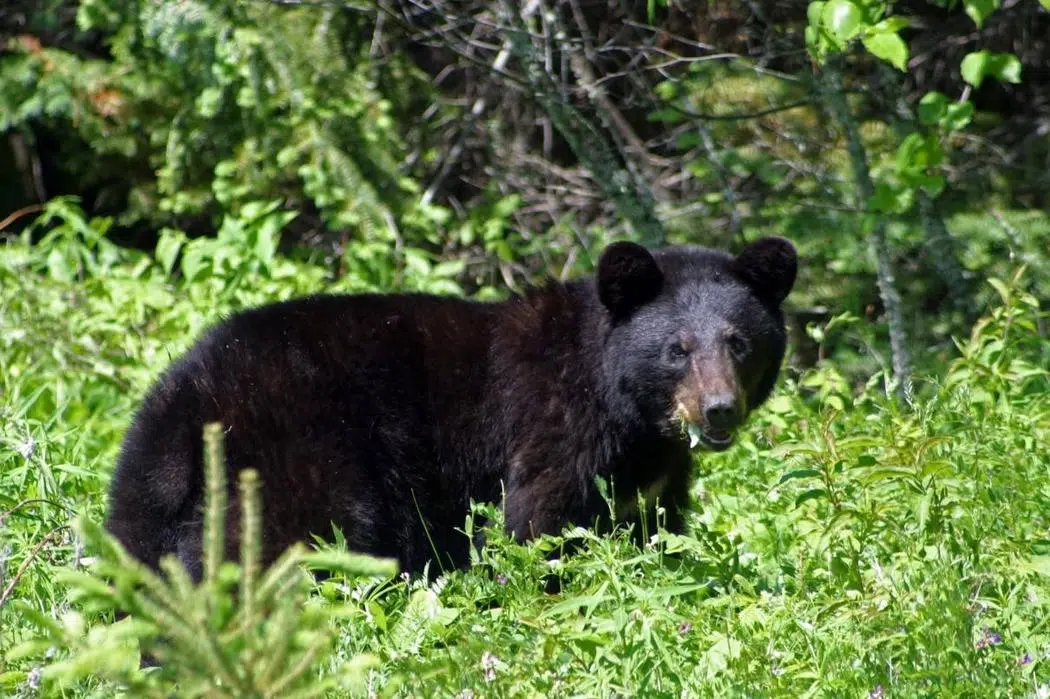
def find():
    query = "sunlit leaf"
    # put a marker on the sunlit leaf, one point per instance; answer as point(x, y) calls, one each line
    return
point(889, 47)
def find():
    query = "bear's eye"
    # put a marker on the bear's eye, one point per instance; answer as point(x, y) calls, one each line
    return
point(738, 346)
point(677, 352)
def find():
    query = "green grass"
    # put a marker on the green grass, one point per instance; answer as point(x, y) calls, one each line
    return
point(847, 546)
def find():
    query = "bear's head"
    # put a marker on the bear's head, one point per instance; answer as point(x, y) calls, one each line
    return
point(696, 336)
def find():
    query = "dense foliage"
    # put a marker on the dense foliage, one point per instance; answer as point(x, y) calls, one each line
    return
point(882, 529)
point(849, 543)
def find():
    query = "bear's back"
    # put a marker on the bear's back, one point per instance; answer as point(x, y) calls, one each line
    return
point(349, 407)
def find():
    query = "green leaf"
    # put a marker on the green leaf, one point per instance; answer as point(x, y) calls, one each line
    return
point(1038, 564)
point(209, 102)
point(933, 184)
point(1007, 68)
point(814, 13)
point(812, 494)
point(168, 247)
point(891, 24)
point(812, 39)
point(979, 10)
point(889, 47)
point(981, 64)
point(195, 258)
point(719, 655)
point(1045, 4)
point(908, 151)
point(798, 473)
point(842, 19)
point(959, 115)
point(932, 108)
point(1002, 289)
point(62, 264)
point(10, 680)
point(973, 67)
point(780, 405)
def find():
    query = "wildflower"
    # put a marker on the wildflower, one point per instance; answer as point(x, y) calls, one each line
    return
point(405, 576)
point(684, 628)
point(877, 693)
point(26, 448)
point(1025, 659)
point(989, 638)
point(488, 664)
point(1042, 691)
point(776, 670)
point(501, 579)
point(33, 679)
point(78, 551)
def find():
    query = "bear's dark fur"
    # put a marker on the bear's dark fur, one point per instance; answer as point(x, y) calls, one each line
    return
point(387, 414)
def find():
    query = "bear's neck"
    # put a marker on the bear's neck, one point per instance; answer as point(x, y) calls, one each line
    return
point(555, 397)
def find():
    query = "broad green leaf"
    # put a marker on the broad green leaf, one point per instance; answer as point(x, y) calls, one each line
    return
point(62, 264)
point(891, 24)
point(979, 10)
point(933, 184)
point(574, 604)
point(1039, 564)
point(1001, 288)
point(195, 258)
point(841, 19)
point(1006, 67)
point(841, 520)
point(780, 405)
point(889, 47)
point(973, 67)
point(907, 152)
point(814, 13)
point(1045, 4)
point(932, 108)
point(209, 102)
point(812, 39)
point(887, 197)
point(718, 656)
point(168, 247)
point(959, 115)
point(981, 64)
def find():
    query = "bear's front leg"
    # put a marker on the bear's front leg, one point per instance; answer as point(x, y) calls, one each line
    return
point(548, 500)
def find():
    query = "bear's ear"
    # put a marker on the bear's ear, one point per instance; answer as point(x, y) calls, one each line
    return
point(769, 266)
point(628, 277)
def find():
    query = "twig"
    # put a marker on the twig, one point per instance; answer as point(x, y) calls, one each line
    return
point(15, 215)
point(9, 590)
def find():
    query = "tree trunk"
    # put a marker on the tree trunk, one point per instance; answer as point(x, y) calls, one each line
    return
point(865, 189)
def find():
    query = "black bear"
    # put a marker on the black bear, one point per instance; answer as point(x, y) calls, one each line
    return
point(386, 414)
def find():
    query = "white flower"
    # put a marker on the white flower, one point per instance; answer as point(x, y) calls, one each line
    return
point(488, 664)
point(26, 447)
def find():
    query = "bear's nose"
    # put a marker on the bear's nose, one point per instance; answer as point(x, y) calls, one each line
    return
point(721, 412)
